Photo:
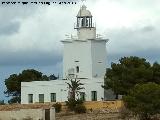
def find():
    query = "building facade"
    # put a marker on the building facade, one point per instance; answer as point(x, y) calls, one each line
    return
point(84, 58)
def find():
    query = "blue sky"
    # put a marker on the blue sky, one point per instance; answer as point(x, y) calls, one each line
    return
point(30, 35)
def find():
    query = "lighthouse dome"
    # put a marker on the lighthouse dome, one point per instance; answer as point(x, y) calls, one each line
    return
point(84, 12)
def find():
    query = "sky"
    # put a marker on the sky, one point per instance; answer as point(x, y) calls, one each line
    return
point(30, 34)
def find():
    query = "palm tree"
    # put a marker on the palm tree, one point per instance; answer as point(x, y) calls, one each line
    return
point(74, 87)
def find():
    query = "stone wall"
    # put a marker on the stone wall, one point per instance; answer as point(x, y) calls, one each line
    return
point(23, 114)
point(26, 112)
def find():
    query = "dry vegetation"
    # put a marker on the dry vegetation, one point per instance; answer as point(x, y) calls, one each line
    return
point(94, 115)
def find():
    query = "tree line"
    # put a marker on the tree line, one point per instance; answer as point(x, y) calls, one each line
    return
point(138, 82)
point(13, 83)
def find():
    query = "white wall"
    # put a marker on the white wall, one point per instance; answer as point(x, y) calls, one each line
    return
point(94, 85)
point(98, 49)
point(91, 57)
point(77, 51)
point(44, 87)
point(60, 88)
point(86, 33)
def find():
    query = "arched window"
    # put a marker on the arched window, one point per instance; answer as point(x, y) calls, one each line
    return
point(77, 69)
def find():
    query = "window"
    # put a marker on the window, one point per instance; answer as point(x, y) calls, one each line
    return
point(41, 98)
point(82, 96)
point(83, 22)
point(30, 98)
point(94, 95)
point(53, 97)
point(87, 22)
point(77, 69)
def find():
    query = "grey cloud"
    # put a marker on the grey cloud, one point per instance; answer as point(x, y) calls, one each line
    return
point(148, 28)
point(151, 55)
point(38, 58)
point(128, 40)
point(10, 17)
point(9, 28)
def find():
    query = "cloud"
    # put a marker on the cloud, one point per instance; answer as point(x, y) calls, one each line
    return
point(151, 55)
point(9, 28)
point(37, 38)
point(35, 58)
point(32, 32)
point(148, 28)
point(129, 40)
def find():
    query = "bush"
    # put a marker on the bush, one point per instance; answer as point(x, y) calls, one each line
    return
point(58, 107)
point(80, 108)
point(76, 105)
point(144, 100)
point(79, 101)
point(71, 103)
point(16, 99)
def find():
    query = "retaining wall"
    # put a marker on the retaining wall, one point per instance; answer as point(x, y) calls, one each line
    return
point(28, 114)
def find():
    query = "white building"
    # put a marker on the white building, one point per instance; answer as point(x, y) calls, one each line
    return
point(84, 57)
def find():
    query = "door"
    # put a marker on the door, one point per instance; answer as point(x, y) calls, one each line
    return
point(47, 114)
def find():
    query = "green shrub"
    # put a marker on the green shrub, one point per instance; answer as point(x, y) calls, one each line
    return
point(144, 100)
point(79, 101)
point(71, 103)
point(58, 107)
point(80, 108)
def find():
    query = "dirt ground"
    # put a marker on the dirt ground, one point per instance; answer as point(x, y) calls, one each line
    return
point(96, 116)
point(88, 116)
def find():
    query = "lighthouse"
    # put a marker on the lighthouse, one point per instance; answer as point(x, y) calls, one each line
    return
point(85, 55)
point(84, 58)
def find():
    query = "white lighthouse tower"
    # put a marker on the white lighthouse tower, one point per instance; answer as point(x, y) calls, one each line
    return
point(84, 56)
